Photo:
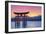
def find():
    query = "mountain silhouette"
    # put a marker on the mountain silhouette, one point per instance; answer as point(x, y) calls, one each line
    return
point(26, 18)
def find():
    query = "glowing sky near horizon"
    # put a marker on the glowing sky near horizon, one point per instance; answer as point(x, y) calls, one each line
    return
point(33, 10)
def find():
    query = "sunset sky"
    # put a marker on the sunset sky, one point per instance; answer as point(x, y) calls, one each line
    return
point(33, 10)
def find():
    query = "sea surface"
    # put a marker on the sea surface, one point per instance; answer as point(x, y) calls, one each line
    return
point(30, 24)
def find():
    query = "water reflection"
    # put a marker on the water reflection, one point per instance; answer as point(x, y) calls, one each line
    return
point(26, 24)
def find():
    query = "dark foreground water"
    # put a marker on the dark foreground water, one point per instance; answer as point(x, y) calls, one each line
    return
point(29, 24)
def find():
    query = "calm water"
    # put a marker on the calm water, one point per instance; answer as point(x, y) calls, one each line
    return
point(29, 24)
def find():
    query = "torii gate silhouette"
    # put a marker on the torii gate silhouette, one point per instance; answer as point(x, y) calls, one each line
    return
point(17, 22)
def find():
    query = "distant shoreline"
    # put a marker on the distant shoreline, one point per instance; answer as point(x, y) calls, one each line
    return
point(37, 18)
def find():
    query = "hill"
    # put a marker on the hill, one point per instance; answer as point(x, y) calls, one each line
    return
point(26, 18)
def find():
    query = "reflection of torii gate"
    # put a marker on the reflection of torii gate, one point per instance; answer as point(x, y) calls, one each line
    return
point(17, 24)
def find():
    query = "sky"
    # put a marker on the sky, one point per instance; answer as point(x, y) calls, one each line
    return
point(33, 10)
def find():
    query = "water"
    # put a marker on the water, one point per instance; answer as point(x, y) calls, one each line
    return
point(30, 24)
point(33, 23)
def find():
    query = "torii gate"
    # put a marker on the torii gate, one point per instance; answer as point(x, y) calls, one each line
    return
point(17, 24)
